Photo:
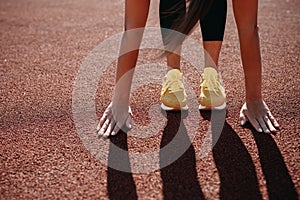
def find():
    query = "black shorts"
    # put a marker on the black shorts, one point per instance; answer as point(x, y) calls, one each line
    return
point(212, 25)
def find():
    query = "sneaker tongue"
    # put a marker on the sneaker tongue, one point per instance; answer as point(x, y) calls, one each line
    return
point(211, 78)
point(173, 74)
point(210, 71)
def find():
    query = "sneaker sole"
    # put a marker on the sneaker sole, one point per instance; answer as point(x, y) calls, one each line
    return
point(167, 108)
point(221, 107)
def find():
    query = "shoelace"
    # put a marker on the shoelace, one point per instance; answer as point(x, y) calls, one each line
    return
point(174, 85)
point(212, 83)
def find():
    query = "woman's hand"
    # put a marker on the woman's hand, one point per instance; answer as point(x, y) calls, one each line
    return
point(259, 115)
point(113, 119)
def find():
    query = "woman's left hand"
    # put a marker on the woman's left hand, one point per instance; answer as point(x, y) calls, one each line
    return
point(259, 115)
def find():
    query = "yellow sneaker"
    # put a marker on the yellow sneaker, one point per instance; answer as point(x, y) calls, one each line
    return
point(173, 96)
point(212, 93)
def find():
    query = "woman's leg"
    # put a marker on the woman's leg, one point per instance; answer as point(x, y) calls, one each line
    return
point(212, 28)
point(173, 95)
point(255, 110)
point(212, 93)
point(170, 13)
point(117, 113)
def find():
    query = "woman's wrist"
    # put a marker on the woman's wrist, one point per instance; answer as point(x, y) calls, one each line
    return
point(253, 93)
point(256, 97)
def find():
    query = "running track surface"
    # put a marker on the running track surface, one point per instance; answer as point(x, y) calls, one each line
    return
point(44, 43)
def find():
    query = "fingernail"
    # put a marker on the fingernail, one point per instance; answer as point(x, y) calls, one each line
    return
point(113, 133)
point(243, 122)
point(259, 130)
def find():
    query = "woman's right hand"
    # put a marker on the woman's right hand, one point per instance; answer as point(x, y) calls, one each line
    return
point(113, 119)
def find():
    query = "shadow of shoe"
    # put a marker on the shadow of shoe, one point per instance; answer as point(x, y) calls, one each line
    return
point(179, 178)
point(235, 166)
point(120, 184)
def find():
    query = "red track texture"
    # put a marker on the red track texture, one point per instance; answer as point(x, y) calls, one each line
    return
point(42, 46)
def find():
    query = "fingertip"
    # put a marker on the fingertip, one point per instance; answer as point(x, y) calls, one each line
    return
point(100, 132)
point(128, 123)
point(242, 115)
point(129, 110)
point(274, 131)
point(259, 130)
point(115, 131)
point(243, 122)
point(105, 135)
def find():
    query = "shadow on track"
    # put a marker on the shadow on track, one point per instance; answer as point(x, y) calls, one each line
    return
point(179, 178)
point(120, 185)
point(278, 179)
point(235, 166)
point(233, 161)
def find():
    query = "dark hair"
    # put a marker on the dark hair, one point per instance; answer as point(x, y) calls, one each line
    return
point(197, 9)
